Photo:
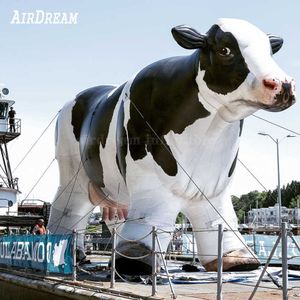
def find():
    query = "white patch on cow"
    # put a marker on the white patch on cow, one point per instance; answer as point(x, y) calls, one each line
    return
point(255, 47)
point(216, 144)
point(114, 183)
point(113, 90)
point(231, 107)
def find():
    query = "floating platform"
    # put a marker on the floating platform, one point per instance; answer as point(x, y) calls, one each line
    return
point(93, 283)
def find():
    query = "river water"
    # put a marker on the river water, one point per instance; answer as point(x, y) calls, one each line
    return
point(10, 291)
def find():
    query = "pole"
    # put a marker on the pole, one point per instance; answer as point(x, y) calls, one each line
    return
point(285, 281)
point(257, 221)
point(166, 269)
point(154, 263)
point(74, 275)
point(254, 242)
point(194, 256)
point(297, 214)
point(278, 187)
point(220, 262)
point(113, 260)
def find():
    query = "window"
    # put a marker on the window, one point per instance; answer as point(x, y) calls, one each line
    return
point(3, 110)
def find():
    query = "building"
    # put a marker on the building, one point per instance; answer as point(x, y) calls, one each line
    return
point(270, 215)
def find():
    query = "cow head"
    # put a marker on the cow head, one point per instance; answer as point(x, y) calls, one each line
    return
point(237, 73)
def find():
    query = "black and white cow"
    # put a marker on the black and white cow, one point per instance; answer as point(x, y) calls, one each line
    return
point(132, 146)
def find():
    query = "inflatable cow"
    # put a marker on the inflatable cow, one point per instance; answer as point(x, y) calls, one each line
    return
point(166, 141)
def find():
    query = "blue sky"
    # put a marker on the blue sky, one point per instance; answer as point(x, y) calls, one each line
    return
point(46, 65)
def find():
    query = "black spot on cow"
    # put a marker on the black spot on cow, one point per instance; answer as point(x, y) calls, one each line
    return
point(284, 98)
point(233, 165)
point(164, 98)
point(221, 59)
point(95, 108)
point(241, 126)
point(85, 103)
point(56, 133)
point(121, 142)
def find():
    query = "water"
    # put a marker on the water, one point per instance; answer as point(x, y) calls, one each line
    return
point(10, 291)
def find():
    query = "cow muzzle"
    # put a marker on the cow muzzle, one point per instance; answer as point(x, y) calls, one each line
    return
point(281, 94)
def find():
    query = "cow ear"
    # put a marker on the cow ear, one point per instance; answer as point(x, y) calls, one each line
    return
point(276, 42)
point(188, 37)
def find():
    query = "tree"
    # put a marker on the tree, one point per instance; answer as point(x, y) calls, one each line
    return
point(290, 194)
point(294, 202)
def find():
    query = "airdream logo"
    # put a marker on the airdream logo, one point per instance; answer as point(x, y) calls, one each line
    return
point(41, 17)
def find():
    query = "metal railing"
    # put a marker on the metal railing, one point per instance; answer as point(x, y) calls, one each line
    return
point(7, 128)
point(155, 251)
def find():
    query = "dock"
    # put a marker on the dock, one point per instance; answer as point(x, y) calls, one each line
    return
point(93, 284)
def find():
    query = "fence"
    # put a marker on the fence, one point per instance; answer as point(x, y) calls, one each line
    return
point(283, 236)
point(57, 253)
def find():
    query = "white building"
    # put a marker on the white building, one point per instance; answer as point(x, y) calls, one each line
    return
point(270, 215)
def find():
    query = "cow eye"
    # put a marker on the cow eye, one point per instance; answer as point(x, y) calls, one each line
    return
point(225, 52)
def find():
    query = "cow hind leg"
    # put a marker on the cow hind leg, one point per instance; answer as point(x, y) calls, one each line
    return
point(71, 209)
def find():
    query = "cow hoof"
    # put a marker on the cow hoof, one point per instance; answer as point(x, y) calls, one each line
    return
point(238, 260)
point(127, 262)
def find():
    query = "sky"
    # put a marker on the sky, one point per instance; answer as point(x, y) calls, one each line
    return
point(44, 66)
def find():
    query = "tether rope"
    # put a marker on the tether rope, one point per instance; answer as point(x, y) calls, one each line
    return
point(133, 257)
point(129, 240)
point(33, 145)
point(277, 125)
point(39, 179)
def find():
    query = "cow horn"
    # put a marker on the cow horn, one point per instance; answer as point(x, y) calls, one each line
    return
point(276, 42)
point(188, 37)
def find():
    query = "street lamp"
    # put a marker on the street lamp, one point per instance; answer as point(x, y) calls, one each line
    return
point(276, 141)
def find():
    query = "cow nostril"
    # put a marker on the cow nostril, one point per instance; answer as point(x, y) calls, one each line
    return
point(286, 87)
point(270, 84)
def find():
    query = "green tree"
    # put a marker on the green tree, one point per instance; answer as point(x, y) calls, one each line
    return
point(294, 202)
point(290, 194)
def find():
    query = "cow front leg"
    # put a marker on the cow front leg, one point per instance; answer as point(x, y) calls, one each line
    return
point(135, 238)
point(205, 220)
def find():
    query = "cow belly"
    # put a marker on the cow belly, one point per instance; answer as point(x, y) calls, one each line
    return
point(114, 184)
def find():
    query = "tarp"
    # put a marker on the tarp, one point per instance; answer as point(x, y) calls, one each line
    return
point(52, 253)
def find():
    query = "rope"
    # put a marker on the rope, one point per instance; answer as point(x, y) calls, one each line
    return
point(195, 231)
point(277, 125)
point(161, 231)
point(66, 206)
point(128, 240)
point(39, 179)
point(133, 257)
point(253, 175)
point(63, 190)
point(35, 142)
point(117, 223)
